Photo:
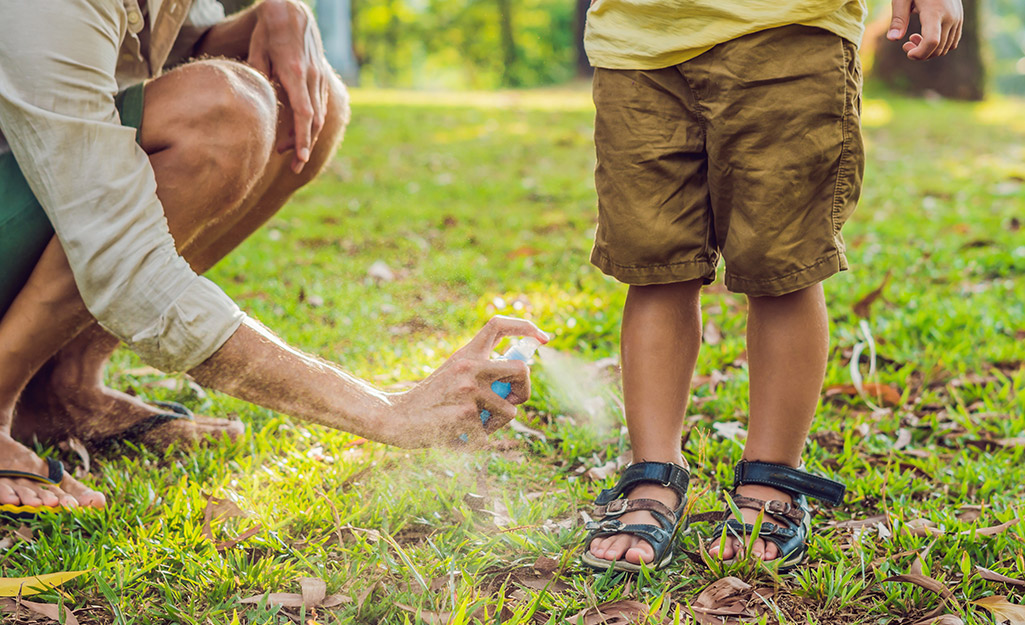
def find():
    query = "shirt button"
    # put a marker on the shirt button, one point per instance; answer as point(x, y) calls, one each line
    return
point(134, 18)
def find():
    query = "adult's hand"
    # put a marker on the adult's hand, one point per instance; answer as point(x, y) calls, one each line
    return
point(941, 27)
point(286, 46)
point(447, 404)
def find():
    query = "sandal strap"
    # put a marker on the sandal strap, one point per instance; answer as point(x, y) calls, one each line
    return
point(773, 507)
point(54, 476)
point(657, 537)
point(665, 473)
point(769, 531)
point(790, 480)
point(618, 507)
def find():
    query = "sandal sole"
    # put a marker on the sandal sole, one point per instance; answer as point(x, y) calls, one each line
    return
point(602, 564)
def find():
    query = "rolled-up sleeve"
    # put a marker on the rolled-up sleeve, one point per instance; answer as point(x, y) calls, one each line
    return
point(57, 87)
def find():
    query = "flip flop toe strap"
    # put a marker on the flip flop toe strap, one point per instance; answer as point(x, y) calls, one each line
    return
point(54, 473)
point(134, 432)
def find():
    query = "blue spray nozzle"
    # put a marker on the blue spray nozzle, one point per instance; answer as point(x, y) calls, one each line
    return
point(523, 350)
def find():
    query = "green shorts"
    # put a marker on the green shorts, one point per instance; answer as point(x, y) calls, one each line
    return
point(751, 151)
point(25, 229)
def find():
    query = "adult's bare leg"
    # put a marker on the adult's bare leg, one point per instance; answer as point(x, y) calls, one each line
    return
point(68, 395)
point(660, 341)
point(209, 129)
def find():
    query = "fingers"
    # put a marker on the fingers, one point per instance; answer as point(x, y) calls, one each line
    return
point(953, 34)
point(911, 43)
point(516, 373)
point(931, 39)
point(500, 412)
point(297, 91)
point(899, 21)
point(497, 328)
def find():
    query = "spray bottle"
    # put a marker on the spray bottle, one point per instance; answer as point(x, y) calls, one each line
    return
point(522, 349)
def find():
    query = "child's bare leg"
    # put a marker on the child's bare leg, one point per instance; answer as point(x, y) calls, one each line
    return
point(787, 347)
point(660, 340)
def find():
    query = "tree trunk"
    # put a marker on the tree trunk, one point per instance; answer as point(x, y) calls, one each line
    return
point(959, 75)
point(509, 54)
point(334, 17)
point(584, 69)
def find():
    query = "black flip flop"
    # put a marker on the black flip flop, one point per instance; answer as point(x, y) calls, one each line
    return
point(135, 432)
point(55, 475)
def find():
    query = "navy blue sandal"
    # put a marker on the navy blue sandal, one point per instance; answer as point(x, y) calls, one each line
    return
point(790, 533)
point(611, 503)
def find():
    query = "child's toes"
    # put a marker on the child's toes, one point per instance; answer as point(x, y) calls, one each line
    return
point(771, 551)
point(640, 552)
point(599, 545)
point(758, 549)
point(619, 546)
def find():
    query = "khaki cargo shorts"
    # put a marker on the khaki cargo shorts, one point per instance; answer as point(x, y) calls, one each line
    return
point(751, 150)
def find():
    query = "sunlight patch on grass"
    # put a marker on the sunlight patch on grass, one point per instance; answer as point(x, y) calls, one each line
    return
point(1007, 112)
point(555, 99)
point(875, 113)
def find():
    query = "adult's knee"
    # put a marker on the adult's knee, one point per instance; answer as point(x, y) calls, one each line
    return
point(224, 120)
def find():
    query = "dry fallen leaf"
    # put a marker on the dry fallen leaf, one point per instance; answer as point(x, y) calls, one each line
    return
point(516, 426)
point(427, 616)
point(49, 610)
point(711, 334)
point(314, 595)
point(1004, 612)
point(622, 612)
point(993, 576)
point(78, 447)
point(611, 467)
point(931, 584)
point(381, 272)
point(23, 586)
point(231, 542)
point(729, 597)
point(313, 591)
point(992, 530)
point(544, 564)
point(922, 527)
point(945, 619)
point(885, 394)
point(903, 439)
point(863, 306)
point(969, 513)
point(25, 533)
point(730, 430)
point(854, 524)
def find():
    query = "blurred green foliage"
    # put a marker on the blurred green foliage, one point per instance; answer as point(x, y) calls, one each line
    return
point(460, 43)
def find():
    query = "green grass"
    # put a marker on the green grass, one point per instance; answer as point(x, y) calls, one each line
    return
point(484, 204)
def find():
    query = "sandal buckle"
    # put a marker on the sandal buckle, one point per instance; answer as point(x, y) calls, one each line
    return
point(616, 506)
point(775, 506)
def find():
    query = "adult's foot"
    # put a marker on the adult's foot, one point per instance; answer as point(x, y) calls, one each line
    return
point(56, 405)
point(763, 549)
point(632, 548)
point(23, 492)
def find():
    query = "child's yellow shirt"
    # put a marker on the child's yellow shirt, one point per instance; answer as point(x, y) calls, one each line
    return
point(650, 34)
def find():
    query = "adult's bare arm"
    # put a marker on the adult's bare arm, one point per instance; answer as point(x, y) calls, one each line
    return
point(941, 27)
point(280, 38)
point(256, 366)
